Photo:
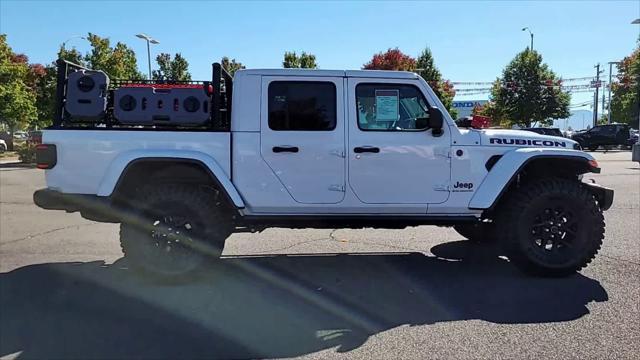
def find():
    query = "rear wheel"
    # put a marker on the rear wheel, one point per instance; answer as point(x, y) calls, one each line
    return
point(477, 231)
point(551, 227)
point(174, 230)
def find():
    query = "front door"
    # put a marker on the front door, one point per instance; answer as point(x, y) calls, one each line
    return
point(302, 136)
point(393, 158)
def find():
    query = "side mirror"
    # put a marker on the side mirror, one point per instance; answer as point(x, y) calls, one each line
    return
point(435, 121)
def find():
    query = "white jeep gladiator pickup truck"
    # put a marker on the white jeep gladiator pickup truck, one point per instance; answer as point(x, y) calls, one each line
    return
point(182, 165)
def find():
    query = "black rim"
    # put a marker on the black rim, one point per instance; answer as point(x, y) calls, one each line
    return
point(172, 238)
point(554, 233)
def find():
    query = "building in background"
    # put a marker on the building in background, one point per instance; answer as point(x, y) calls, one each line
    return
point(465, 107)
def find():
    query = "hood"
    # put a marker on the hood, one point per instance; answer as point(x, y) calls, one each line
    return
point(521, 138)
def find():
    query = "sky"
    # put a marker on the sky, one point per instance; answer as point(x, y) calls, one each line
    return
point(471, 41)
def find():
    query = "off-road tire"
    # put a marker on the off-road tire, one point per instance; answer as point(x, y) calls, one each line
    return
point(477, 231)
point(567, 210)
point(187, 219)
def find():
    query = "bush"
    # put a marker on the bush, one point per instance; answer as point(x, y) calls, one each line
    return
point(27, 153)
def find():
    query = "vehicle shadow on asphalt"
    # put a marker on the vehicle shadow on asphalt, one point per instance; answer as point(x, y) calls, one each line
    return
point(271, 306)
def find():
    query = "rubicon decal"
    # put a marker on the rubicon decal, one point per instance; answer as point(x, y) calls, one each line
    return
point(530, 142)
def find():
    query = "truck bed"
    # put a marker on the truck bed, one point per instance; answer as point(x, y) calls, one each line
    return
point(91, 161)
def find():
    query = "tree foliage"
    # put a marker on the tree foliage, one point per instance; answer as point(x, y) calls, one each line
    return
point(304, 61)
point(118, 62)
point(427, 69)
point(394, 59)
point(528, 93)
point(231, 65)
point(176, 69)
point(71, 55)
point(625, 98)
point(17, 100)
point(42, 81)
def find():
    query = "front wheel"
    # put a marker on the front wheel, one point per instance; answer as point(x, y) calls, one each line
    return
point(551, 227)
point(174, 230)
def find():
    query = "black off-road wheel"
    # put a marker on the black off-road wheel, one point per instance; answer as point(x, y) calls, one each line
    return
point(477, 231)
point(174, 230)
point(551, 227)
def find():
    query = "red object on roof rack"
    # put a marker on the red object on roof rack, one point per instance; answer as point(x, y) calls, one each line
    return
point(163, 86)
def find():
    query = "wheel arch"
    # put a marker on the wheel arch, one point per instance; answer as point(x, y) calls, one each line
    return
point(132, 169)
point(528, 163)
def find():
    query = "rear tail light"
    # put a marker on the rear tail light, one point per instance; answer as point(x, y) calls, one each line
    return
point(46, 156)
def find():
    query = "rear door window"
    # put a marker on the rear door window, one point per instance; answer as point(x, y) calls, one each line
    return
point(302, 106)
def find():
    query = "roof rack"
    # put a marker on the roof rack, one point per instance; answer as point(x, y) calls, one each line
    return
point(217, 99)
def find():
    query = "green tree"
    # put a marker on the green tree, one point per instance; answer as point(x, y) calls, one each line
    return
point(304, 61)
point(176, 69)
point(71, 55)
point(17, 100)
point(231, 65)
point(528, 92)
point(118, 62)
point(427, 69)
point(42, 81)
point(625, 98)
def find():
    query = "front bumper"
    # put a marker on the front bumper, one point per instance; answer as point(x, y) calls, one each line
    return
point(604, 195)
point(92, 207)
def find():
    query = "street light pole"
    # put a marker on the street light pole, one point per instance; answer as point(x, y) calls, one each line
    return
point(531, 34)
point(64, 43)
point(149, 41)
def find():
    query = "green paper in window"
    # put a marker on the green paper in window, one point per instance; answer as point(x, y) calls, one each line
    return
point(387, 105)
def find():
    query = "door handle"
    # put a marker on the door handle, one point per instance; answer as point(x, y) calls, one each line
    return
point(365, 149)
point(281, 149)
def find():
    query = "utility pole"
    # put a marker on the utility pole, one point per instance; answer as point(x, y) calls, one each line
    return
point(595, 98)
point(603, 100)
point(610, 75)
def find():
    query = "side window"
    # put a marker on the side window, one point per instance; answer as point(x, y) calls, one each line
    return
point(302, 106)
point(596, 130)
point(391, 107)
point(608, 130)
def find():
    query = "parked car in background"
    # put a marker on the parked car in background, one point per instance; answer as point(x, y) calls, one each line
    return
point(634, 138)
point(7, 139)
point(35, 137)
point(20, 135)
point(546, 131)
point(603, 135)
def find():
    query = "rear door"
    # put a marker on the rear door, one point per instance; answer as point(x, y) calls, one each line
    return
point(302, 136)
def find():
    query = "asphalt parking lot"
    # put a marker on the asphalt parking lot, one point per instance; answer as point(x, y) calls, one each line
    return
point(421, 292)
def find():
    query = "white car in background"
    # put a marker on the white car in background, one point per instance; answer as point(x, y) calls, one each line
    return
point(3, 146)
point(20, 135)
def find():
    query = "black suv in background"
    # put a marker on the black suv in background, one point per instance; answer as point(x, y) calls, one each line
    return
point(546, 131)
point(603, 135)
